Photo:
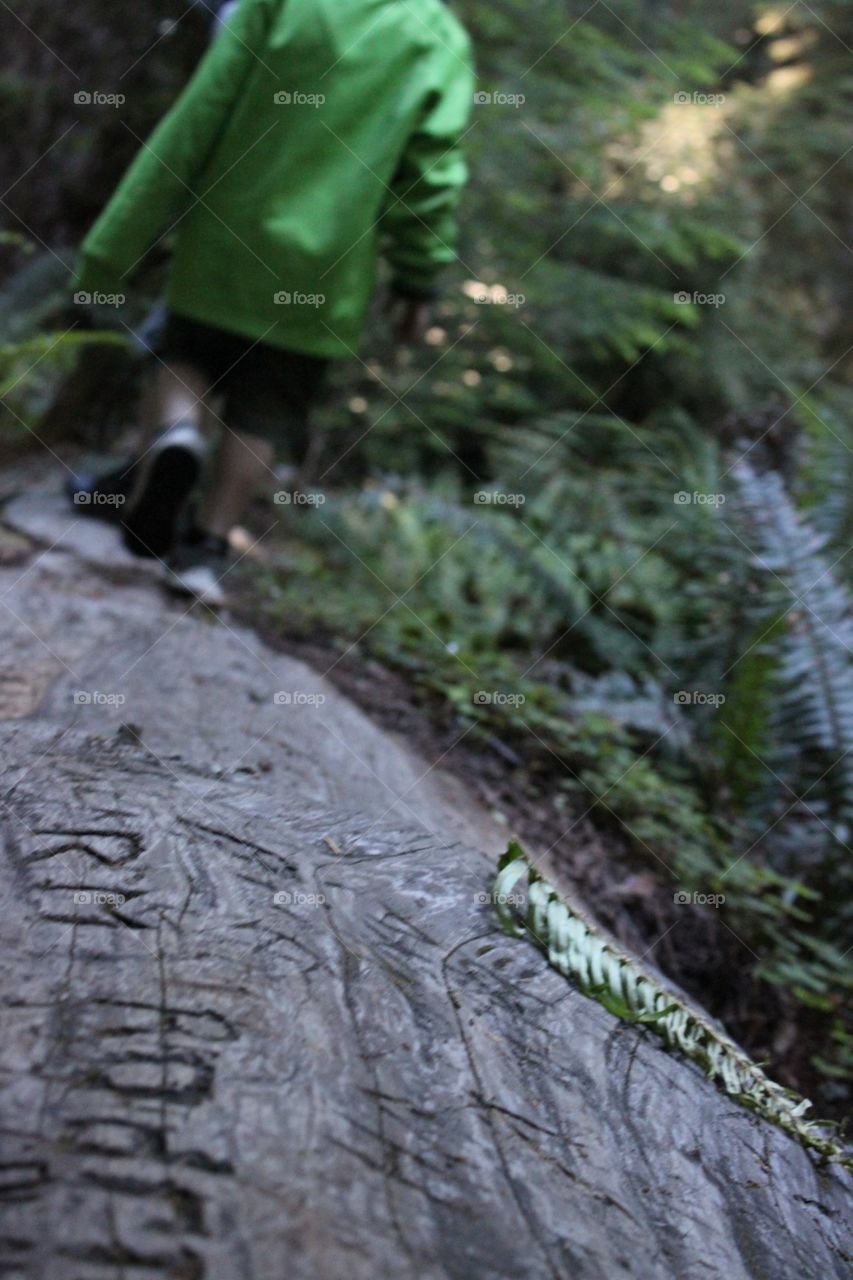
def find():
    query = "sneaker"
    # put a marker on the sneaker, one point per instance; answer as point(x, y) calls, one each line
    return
point(104, 495)
point(163, 479)
point(197, 566)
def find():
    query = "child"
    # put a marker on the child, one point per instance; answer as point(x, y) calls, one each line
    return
point(313, 133)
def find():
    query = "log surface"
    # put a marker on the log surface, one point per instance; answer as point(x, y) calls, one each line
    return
point(258, 1019)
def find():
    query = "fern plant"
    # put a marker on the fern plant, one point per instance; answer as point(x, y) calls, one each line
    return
point(619, 982)
point(813, 716)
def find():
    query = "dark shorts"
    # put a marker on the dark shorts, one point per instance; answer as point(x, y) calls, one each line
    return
point(265, 391)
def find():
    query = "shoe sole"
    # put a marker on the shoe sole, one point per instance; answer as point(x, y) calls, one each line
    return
point(214, 599)
point(150, 527)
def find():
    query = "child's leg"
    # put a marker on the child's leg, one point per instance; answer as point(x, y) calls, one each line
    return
point(175, 394)
point(268, 398)
point(166, 472)
point(267, 394)
point(178, 396)
point(243, 463)
point(200, 563)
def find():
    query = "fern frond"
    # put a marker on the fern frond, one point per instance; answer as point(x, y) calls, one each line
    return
point(815, 677)
point(618, 981)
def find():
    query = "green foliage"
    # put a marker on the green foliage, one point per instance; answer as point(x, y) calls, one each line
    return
point(34, 354)
point(581, 634)
point(619, 982)
point(813, 715)
point(660, 153)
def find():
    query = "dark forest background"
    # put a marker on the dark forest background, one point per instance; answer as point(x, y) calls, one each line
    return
point(602, 521)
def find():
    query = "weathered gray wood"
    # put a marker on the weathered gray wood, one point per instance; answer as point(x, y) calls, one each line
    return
point(361, 1079)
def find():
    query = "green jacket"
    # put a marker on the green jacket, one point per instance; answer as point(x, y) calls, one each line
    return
point(313, 133)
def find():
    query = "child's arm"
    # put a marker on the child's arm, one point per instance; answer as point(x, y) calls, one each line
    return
point(161, 183)
point(421, 218)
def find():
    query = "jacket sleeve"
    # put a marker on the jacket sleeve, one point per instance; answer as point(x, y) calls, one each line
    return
point(420, 220)
point(160, 184)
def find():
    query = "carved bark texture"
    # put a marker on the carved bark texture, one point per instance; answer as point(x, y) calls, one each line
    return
point(288, 1039)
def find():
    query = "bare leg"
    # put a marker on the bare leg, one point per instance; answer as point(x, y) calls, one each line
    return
point(242, 464)
point(169, 465)
point(178, 396)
